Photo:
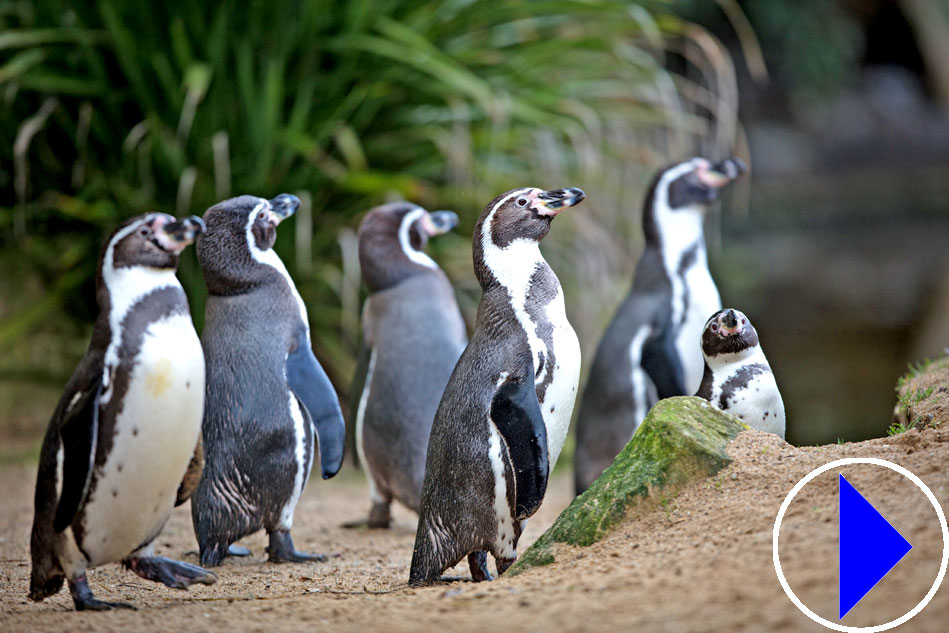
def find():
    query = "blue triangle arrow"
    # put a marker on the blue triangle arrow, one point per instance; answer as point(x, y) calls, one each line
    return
point(869, 547)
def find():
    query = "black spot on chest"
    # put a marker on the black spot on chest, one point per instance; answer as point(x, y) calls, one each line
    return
point(686, 262)
point(542, 289)
point(739, 381)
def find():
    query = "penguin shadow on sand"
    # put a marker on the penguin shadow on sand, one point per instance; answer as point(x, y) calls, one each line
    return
point(412, 336)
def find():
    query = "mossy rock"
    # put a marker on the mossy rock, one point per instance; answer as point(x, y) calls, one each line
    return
point(680, 439)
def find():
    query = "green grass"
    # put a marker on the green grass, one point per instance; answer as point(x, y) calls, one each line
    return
point(906, 400)
point(898, 427)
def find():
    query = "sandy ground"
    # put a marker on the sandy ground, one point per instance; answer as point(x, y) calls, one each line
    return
point(698, 562)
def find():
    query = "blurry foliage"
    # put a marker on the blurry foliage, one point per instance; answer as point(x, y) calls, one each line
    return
point(114, 108)
point(812, 47)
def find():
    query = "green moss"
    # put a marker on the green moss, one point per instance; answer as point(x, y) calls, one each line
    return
point(681, 438)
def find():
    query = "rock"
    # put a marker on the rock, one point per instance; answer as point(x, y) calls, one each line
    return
point(680, 439)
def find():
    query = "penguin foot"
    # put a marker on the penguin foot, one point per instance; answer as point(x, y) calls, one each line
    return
point(379, 519)
point(504, 563)
point(478, 563)
point(171, 573)
point(281, 550)
point(84, 600)
point(238, 550)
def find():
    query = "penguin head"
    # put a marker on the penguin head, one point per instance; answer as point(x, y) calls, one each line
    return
point(515, 217)
point(727, 333)
point(154, 240)
point(392, 238)
point(240, 234)
point(688, 187)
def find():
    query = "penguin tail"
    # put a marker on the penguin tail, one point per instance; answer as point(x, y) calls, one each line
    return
point(43, 587)
point(429, 559)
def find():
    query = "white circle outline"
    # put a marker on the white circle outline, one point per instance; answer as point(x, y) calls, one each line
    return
point(919, 484)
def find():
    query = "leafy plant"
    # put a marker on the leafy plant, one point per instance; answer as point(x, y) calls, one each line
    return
point(116, 107)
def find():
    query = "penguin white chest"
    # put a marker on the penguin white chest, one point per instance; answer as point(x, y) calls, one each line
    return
point(561, 394)
point(700, 300)
point(748, 391)
point(154, 438)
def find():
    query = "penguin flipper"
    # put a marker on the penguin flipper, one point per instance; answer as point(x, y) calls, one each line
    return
point(79, 435)
point(516, 415)
point(661, 361)
point(193, 475)
point(312, 387)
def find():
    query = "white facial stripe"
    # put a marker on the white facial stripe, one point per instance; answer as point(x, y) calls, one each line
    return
point(127, 286)
point(415, 255)
point(270, 258)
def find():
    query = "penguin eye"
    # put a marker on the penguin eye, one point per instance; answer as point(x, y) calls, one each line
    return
point(261, 215)
point(742, 321)
point(715, 327)
point(522, 202)
point(144, 231)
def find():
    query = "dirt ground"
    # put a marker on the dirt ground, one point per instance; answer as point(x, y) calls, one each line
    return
point(699, 562)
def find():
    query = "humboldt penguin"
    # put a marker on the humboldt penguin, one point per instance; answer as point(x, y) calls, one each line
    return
point(413, 333)
point(737, 378)
point(503, 419)
point(268, 399)
point(128, 424)
point(649, 350)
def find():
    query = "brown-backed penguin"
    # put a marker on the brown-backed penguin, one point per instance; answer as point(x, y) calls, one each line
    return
point(503, 419)
point(125, 430)
point(649, 349)
point(737, 377)
point(414, 334)
point(268, 399)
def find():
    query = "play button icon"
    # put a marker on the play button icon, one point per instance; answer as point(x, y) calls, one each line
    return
point(869, 547)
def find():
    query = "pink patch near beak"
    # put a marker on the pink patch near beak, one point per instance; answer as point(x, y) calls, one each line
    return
point(711, 178)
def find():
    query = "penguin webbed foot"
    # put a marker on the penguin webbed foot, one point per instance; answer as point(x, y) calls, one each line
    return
point(380, 518)
point(238, 550)
point(171, 573)
point(478, 563)
point(281, 550)
point(84, 600)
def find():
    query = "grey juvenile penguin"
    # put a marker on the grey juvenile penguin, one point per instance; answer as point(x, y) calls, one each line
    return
point(737, 377)
point(127, 426)
point(268, 398)
point(414, 334)
point(648, 350)
point(502, 422)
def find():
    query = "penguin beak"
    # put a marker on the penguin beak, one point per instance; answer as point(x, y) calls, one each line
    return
point(550, 203)
point(282, 207)
point(728, 324)
point(722, 174)
point(439, 222)
point(175, 236)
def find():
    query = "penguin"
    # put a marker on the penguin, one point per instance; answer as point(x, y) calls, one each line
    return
point(648, 350)
point(122, 438)
point(737, 377)
point(503, 419)
point(414, 333)
point(267, 398)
